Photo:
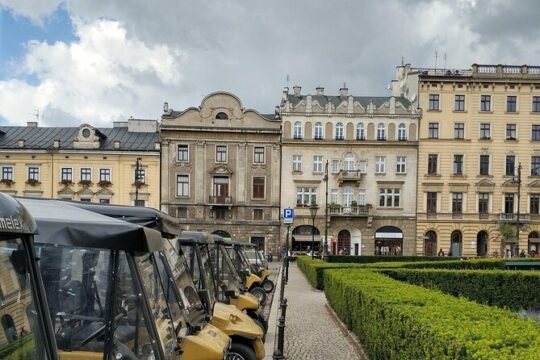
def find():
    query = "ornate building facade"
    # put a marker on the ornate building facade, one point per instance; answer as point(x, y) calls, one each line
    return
point(220, 170)
point(478, 126)
point(367, 146)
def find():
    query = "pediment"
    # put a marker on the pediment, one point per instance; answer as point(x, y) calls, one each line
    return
point(534, 184)
point(485, 183)
point(509, 183)
point(66, 191)
point(221, 170)
point(104, 191)
point(85, 192)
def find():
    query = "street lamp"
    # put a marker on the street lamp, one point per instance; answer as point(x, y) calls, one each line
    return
point(517, 179)
point(313, 211)
point(325, 249)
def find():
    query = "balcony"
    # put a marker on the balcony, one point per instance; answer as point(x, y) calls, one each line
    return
point(352, 210)
point(220, 201)
point(349, 175)
point(523, 218)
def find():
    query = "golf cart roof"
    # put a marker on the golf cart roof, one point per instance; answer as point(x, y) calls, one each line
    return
point(15, 218)
point(247, 245)
point(142, 216)
point(195, 237)
point(64, 224)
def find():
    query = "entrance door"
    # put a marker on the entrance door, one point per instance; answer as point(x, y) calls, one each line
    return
point(430, 243)
point(456, 243)
point(356, 249)
point(344, 242)
point(481, 243)
point(221, 189)
point(258, 241)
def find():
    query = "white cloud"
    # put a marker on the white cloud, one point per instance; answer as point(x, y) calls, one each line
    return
point(103, 76)
point(36, 10)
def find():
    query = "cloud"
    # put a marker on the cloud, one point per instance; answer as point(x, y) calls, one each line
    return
point(36, 10)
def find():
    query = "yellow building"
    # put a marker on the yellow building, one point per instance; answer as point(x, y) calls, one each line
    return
point(478, 125)
point(82, 163)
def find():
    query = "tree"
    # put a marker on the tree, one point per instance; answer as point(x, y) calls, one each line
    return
point(507, 231)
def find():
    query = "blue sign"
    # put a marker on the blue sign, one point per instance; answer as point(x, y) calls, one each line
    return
point(288, 215)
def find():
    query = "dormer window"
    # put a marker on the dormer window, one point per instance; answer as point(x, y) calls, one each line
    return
point(85, 133)
point(222, 116)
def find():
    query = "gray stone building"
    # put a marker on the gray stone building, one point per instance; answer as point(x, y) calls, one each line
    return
point(370, 145)
point(221, 170)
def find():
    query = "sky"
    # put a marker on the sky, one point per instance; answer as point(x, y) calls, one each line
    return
point(99, 61)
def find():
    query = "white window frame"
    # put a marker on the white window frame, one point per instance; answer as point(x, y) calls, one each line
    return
point(380, 165)
point(110, 174)
point(335, 166)
point(401, 165)
point(61, 175)
point(334, 196)
point(317, 163)
point(12, 172)
point(33, 167)
point(348, 196)
point(318, 131)
point(339, 131)
point(362, 197)
point(349, 162)
point(297, 163)
point(298, 130)
point(402, 132)
point(255, 160)
point(362, 166)
point(178, 152)
point(360, 131)
point(309, 192)
point(226, 154)
point(381, 132)
point(183, 184)
point(81, 173)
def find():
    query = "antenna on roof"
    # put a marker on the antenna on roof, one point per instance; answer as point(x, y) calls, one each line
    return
point(402, 61)
point(288, 78)
point(344, 85)
point(36, 115)
point(444, 60)
point(436, 56)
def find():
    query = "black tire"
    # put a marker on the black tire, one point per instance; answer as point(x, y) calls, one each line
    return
point(259, 293)
point(268, 285)
point(240, 351)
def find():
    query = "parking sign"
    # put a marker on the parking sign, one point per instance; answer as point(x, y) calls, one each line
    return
point(288, 216)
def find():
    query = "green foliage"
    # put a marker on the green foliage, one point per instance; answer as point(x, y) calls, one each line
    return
point(22, 348)
point(314, 269)
point(507, 231)
point(374, 259)
point(515, 290)
point(396, 320)
point(473, 264)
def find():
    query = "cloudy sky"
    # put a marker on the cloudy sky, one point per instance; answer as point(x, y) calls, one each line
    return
point(99, 61)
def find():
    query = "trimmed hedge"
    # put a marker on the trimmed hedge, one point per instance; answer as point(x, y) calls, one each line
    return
point(473, 264)
point(313, 269)
point(366, 259)
point(516, 290)
point(396, 320)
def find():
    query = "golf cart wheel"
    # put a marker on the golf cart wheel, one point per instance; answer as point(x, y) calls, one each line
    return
point(268, 285)
point(240, 351)
point(259, 293)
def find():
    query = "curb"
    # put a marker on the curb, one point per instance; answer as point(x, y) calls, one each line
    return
point(351, 338)
point(271, 334)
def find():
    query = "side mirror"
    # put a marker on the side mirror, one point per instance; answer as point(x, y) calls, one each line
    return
point(231, 294)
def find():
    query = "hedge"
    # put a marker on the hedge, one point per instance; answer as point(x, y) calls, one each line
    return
point(396, 320)
point(472, 264)
point(366, 259)
point(313, 269)
point(21, 348)
point(516, 290)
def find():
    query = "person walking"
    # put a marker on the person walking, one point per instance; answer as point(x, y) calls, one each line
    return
point(441, 252)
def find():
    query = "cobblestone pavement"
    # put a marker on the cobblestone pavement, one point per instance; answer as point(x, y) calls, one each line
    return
point(311, 332)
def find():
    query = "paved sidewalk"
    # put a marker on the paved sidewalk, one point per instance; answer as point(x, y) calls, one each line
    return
point(311, 332)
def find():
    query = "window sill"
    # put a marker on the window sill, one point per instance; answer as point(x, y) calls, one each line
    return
point(434, 110)
point(317, 173)
point(535, 112)
point(511, 112)
point(511, 140)
point(459, 111)
point(484, 176)
point(296, 172)
point(388, 208)
point(485, 139)
point(401, 173)
point(380, 173)
point(458, 176)
point(485, 112)
point(432, 175)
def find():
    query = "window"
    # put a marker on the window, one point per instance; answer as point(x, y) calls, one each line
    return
point(335, 166)
point(485, 102)
point(348, 162)
point(432, 164)
point(258, 214)
point(7, 173)
point(511, 103)
point(258, 187)
point(483, 203)
point(459, 104)
point(362, 197)
point(510, 165)
point(457, 203)
point(86, 174)
point(318, 131)
point(459, 130)
point(334, 196)
point(305, 196)
point(86, 200)
point(360, 132)
point(347, 196)
point(220, 213)
point(433, 130)
point(458, 165)
point(33, 173)
point(389, 197)
point(431, 202)
point(339, 131)
point(484, 164)
point(297, 163)
point(182, 185)
point(182, 212)
point(534, 201)
point(297, 131)
point(104, 201)
point(381, 132)
point(535, 136)
point(511, 132)
point(401, 164)
point(402, 132)
point(258, 155)
point(105, 175)
point(183, 153)
point(433, 102)
point(362, 166)
point(380, 164)
point(221, 153)
point(140, 176)
point(508, 203)
point(485, 131)
point(66, 174)
point(141, 203)
point(222, 116)
point(317, 164)
point(536, 104)
point(535, 165)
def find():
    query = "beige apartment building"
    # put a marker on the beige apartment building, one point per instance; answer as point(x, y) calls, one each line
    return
point(478, 125)
point(83, 163)
point(370, 146)
point(220, 170)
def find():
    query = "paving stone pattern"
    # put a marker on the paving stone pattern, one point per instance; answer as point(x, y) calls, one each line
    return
point(311, 332)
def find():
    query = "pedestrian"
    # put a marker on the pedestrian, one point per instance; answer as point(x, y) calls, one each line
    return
point(23, 332)
point(441, 252)
point(450, 252)
point(522, 254)
point(340, 252)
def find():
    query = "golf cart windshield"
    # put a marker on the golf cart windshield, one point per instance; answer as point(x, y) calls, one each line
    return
point(201, 270)
point(226, 275)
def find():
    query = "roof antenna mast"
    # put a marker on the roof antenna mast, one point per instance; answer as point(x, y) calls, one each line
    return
point(436, 56)
point(288, 78)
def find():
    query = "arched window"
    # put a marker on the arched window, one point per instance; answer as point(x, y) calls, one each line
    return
point(455, 243)
point(381, 132)
point(402, 132)
point(360, 132)
point(297, 132)
point(339, 131)
point(318, 131)
point(348, 162)
point(430, 243)
point(222, 116)
point(223, 234)
point(9, 328)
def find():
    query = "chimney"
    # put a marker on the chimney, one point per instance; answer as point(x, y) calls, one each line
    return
point(296, 90)
point(165, 107)
point(157, 145)
point(21, 143)
point(285, 93)
point(117, 144)
point(344, 92)
point(56, 144)
point(320, 90)
point(32, 124)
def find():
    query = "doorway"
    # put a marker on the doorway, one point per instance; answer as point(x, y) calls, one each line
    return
point(344, 242)
point(482, 243)
point(455, 245)
point(430, 243)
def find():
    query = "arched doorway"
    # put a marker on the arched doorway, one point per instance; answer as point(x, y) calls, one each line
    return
point(482, 243)
point(533, 243)
point(302, 237)
point(430, 243)
point(388, 241)
point(223, 234)
point(9, 328)
point(455, 243)
point(344, 242)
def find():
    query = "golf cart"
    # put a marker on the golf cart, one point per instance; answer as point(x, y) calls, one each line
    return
point(258, 264)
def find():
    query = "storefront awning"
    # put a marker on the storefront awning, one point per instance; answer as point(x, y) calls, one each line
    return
point(534, 240)
point(306, 238)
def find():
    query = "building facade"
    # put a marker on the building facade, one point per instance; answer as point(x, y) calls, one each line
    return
point(370, 146)
point(82, 163)
point(478, 126)
point(220, 170)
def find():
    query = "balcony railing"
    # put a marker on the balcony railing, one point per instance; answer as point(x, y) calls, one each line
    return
point(220, 200)
point(356, 210)
point(504, 217)
point(349, 175)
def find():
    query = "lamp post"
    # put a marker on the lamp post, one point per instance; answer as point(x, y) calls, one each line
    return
point(517, 179)
point(325, 249)
point(313, 211)
point(137, 165)
point(287, 255)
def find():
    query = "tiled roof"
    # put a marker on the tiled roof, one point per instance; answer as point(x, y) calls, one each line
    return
point(337, 100)
point(42, 138)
